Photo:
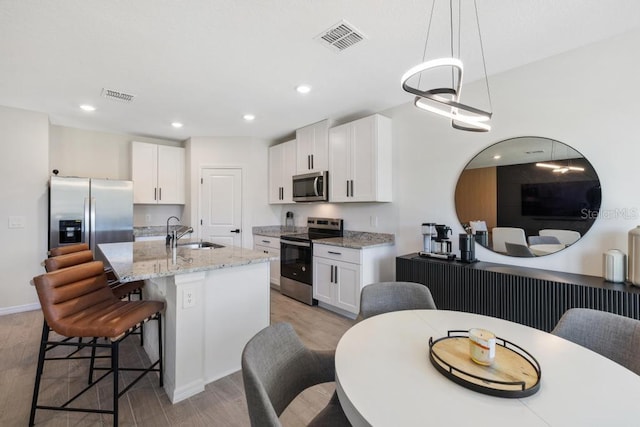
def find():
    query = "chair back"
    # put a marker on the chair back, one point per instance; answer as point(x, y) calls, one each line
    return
point(566, 237)
point(500, 235)
point(383, 297)
point(69, 292)
point(276, 367)
point(613, 336)
point(68, 260)
point(543, 240)
point(515, 249)
point(67, 249)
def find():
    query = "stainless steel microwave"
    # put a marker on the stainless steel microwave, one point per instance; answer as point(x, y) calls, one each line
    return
point(311, 187)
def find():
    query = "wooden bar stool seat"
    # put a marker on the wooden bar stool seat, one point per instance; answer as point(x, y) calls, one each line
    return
point(77, 302)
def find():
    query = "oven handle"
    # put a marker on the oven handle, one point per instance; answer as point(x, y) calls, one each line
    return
point(289, 242)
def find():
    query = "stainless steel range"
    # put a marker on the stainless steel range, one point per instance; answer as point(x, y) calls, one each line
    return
point(296, 257)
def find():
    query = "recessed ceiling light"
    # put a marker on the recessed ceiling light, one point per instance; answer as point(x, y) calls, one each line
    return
point(249, 117)
point(87, 107)
point(176, 125)
point(303, 89)
point(497, 156)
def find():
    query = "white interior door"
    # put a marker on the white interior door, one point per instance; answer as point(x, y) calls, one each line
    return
point(221, 201)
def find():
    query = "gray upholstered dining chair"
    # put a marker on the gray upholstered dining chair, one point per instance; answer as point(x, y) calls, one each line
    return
point(515, 249)
point(543, 240)
point(276, 367)
point(383, 297)
point(613, 336)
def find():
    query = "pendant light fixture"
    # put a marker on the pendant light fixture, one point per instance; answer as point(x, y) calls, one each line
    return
point(558, 168)
point(446, 101)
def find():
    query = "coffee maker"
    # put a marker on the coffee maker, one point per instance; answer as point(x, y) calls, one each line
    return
point(443, 244)
point(436, 243)
point(428, 236)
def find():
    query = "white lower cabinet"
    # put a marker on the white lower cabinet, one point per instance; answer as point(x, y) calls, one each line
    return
point(271, 246)
point(339, 274)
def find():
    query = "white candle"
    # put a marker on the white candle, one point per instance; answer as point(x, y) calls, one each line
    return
point(482, 346)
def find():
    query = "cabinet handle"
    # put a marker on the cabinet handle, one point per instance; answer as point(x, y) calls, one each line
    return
point(332, 274)
point(308, 161)
point(160, 193)
point(266, 252)
point(334, 253)
point(347, 188)
point(281, 193)
point(351, 188)
point(266, 241)
point(336, 275)
point(312, 161)
point(155, 193)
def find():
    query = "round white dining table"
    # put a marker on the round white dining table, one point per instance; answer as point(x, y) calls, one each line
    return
point(546, 248)
point(384, 378)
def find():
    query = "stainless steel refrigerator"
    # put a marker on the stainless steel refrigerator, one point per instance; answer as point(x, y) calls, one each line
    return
point(88, 210)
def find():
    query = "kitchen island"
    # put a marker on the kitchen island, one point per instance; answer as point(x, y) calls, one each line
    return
point(216, 300)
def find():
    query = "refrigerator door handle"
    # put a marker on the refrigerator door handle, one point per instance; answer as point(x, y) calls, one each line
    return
point(86, 227)
point(92, 238)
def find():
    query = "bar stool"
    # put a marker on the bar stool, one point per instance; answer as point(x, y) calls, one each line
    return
point(70, 258)
point(77, 302)
point(65, 256)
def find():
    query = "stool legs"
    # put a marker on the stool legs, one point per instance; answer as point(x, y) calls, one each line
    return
point(39, 369)
point(114, 369)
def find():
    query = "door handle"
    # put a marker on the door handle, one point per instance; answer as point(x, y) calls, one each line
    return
point(237, 230)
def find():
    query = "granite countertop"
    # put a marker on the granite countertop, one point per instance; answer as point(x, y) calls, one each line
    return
point(359, 240)
point(351, 239)
point(277, 230)
point(145, 260)
point(156, 230)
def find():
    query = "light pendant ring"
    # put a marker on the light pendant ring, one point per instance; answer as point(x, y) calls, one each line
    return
point(475, 116)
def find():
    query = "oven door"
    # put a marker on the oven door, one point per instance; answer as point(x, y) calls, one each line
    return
point(296, 261)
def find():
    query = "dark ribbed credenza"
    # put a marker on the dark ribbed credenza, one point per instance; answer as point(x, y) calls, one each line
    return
point(529, 296)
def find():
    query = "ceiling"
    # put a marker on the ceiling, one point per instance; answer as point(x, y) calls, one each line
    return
point(206, 63)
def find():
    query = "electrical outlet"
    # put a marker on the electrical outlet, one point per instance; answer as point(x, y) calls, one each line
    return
point(17, 221)
point(373, 221)
point(147, 218)
point(188, 298)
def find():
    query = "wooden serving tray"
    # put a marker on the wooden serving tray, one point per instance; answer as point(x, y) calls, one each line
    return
point(514, 372)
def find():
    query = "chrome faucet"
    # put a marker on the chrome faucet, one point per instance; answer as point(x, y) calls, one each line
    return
point(177, 236)
point(169, 236)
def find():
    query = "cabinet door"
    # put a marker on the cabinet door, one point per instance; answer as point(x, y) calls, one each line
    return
point(322, 285)
point(313, 148)
point(276, 164)
point(274, 266)
point(304, 141)
point(363, 159)
point(288, 170)
point(347, 290)
point(171, 175)
point(144, 172)
point(339, 159)
point(320, 153)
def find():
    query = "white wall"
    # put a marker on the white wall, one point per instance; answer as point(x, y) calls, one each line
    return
point(249, 154)
point(23, 172)
point(585, 98)
point(93, 154)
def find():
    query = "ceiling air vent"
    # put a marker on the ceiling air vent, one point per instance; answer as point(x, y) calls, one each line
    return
point(117, 95)
point(340, 36)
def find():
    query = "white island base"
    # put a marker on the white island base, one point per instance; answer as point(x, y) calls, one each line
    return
point(210, 316)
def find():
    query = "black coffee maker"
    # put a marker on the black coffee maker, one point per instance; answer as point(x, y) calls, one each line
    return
point(443, 244)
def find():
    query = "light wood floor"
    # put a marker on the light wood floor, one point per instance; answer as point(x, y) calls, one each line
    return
point(221, 404)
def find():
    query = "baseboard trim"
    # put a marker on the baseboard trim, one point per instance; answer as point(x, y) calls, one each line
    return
point(19, 308)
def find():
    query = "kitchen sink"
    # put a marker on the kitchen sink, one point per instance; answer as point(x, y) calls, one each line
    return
point(200, 245)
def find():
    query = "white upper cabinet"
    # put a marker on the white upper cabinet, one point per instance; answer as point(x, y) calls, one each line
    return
point(312, 148)
point(158, 174)
point(360, 161)
point(282, 166)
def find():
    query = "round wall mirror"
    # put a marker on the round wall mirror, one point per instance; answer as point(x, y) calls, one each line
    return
point(528, 196)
